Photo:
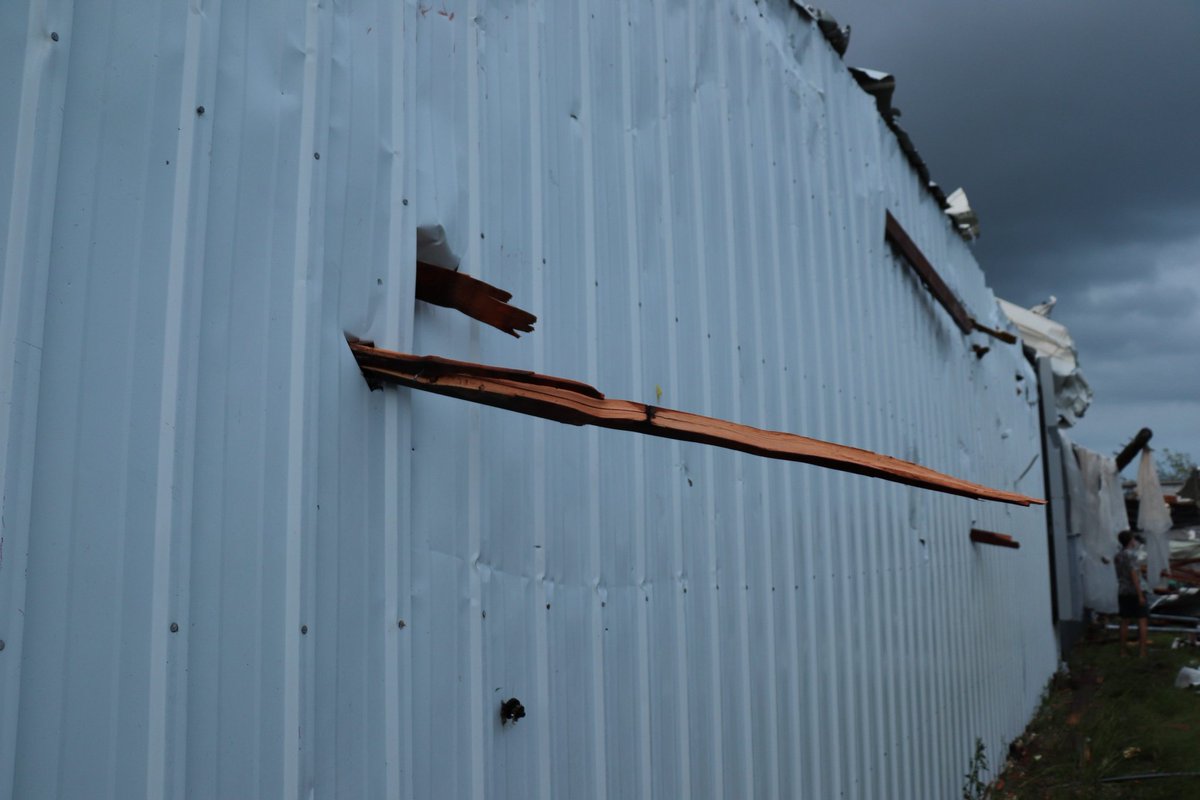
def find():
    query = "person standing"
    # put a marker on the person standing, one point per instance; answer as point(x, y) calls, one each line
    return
point(1131, 600)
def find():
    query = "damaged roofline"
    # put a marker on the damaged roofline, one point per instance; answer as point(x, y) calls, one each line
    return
point(881, 86)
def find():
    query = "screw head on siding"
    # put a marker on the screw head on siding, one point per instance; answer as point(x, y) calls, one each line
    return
point(174, 627)
point(304, 630)
point(200, 111)
point(54, 36)
point(401, 624)
point(1, 644)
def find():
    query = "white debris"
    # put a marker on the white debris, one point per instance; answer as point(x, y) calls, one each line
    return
point(1052, 340)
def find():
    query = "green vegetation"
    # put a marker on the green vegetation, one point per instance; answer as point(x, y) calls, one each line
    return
point(1112, 716)
point(1174, 465)
point(974, 786)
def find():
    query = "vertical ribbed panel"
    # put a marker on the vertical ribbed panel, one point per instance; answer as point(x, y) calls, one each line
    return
point(691, 197)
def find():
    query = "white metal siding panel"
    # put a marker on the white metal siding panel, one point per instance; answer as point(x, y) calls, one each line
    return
point(691, 197)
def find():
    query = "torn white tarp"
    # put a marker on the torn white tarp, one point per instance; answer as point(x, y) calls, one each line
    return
point(1073, 483)
point(432, 247)
point(1154, 519)
point(1051, 340)
point(958, 208)
point(1187, 678)
point(1098, 514)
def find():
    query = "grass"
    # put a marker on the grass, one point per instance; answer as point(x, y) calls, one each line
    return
point(1112, 715)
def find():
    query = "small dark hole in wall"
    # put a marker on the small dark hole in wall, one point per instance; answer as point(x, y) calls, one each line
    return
point(511, 710)
point(200, 111)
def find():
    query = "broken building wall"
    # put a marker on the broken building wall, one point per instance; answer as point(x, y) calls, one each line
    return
point(244, 574)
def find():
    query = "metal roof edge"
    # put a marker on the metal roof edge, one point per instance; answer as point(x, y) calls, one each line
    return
point(880, 85)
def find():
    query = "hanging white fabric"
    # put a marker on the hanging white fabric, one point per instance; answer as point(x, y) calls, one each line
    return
point(1101, 503)
point(1154, 519)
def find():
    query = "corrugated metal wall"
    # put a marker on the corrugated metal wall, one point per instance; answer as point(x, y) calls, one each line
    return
point(228, 570)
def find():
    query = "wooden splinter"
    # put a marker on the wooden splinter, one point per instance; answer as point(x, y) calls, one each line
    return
point(473, 297)
point(997, 539)
point(575, 403)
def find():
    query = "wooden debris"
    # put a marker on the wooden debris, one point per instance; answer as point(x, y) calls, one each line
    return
point(895, 234)
point(995, 333)
point(997, 539)
point(575, 403)
point(478, 300)
point(1182, 575)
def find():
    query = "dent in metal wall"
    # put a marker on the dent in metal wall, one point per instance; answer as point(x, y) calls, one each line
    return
point(229, 569)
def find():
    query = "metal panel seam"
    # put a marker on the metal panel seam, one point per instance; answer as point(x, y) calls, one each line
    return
point(298, 389)
point(164, 504)
point(645, 751)
point(667, 210)
point(538, 293)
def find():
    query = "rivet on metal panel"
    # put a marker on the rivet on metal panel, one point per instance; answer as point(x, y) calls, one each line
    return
point(304, 630)
point(483, 614)
point(200, 111)
point(317, 156)
point(547, 606)
point(1, 644)
point(401, 624)
point(404, 201)
point(379, 281)
point(511, 710)
point(54, 36)
point(174, 627)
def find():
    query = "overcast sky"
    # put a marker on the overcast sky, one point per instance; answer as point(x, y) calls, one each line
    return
point(1074, 128)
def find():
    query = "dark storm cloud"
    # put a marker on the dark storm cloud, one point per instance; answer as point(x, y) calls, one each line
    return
point(1075, 129)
